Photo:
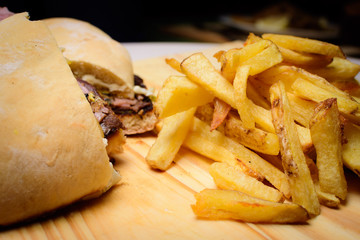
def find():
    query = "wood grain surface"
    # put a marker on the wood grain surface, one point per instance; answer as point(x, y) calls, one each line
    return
point(150, 204)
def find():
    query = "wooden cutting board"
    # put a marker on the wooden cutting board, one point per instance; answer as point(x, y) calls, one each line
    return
point(150, 204)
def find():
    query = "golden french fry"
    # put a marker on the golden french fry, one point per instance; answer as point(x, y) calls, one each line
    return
point(326, 199)
point(242, 102)
point(229, 204)
point(175, 64)
point(308, 90)
point(170, 139)
point(325, 128)
point(294, 161)
point(199, 144)
point(179, 94)
point(349, 85)
point(254, 138)
point(318, 81)
point(252, 38)
point(249, 158)
point(248, 171)
point(351, 149)
point(236, 57)
point(232, 178)
point(302, 109)
point(338, 68)
point(302, 59)
point(256, 95)
point(305, 138)
point(200, 70)
point(264, 60)
point(262, 117)
point(305, 45)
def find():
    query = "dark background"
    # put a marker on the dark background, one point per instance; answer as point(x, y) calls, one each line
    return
point(138, 21)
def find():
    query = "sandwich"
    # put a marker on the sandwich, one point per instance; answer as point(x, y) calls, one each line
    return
point(52, 148)
point(99, 61)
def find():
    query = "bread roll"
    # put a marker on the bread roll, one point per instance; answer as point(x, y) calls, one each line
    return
point(52, 151)
point(94, 55)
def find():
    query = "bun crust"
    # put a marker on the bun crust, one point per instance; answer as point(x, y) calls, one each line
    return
point(51, 146)
point(91, 51)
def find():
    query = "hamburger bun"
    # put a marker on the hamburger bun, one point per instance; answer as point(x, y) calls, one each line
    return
point(93, 55)
point(52, 150)
point(103, 62)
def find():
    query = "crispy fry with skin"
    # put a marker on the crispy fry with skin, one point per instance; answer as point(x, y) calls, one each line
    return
point(221, 110)
point(327, 199)
point(293, 159)
point(325, 128)
point(250, 172)
point(199, 144)
point(229, 204)
point(253, 138)
point(232, 178)
point(246, 156)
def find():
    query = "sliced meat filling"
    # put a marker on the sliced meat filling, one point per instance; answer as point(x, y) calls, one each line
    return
point(110, 107)
point(106, 117)
point(141, 104)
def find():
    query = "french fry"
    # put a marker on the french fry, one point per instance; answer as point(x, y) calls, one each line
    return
point(246, 156)
point(262, 117)
point(258, 104)
point(232, 178)
point(228, 204)
point(327, 199)
point(302, 109)
point(221, 110)
point(179, 94)
point(256, 95)
point(242, 102)
point(305, 138)
point(170, 139)
point(351, 149)
point(252, 38)
point(201, 145)
point(305, 45)
point(338, 68)
point(302, 59)
point(308, 90)
point(253, 138)
point(294, 161)
point(200, 70)
point(266, 59)
point(326, 122)
point(175, 64)
point(234, 58)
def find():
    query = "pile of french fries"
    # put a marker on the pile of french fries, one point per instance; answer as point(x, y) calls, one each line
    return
point(279, 118)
